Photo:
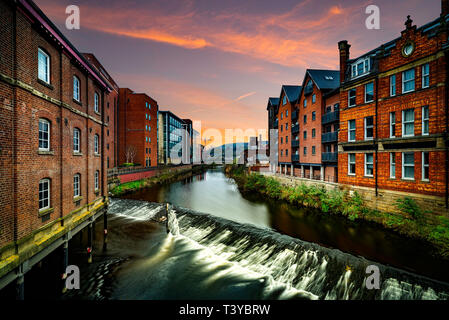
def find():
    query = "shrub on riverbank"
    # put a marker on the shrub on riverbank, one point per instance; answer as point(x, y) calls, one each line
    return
point(414, 222)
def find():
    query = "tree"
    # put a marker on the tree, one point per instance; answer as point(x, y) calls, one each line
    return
point(130, 154)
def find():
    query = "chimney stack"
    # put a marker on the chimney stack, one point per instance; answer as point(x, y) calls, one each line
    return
point(343, 47)
point(444, 7)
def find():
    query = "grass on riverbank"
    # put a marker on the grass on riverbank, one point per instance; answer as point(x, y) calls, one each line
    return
point(165, 177)
point(414, 222)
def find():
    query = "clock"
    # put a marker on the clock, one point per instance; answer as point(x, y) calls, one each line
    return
point(408, 49)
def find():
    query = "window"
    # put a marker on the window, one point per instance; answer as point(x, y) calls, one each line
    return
point(97, 179)
point(408, 165)
point(351, 164)
point(408, 81)
point(313, 116)
point(408, 123)
point(360, 67)
point(282, 115)
point(392, 85)
point(96, 144)
point(369, 125)
point(76, 185)
point(284, 100)
point(425, 75)
point(96, 102)
point(305, 119)
point(282, 153)
point(286, 152)
point(305, 150)
point(392, 124)
point(43, 66)
point(313, 149)
point(392, 165)
point(286, 113)
point(425, 120)
point(76, 88)
point(351, 98)
point(305, 103)
point(368, 164)
point(351, 130)
point(146, 116)
point(44, 135)
point(44, 194)
point(286, 139)
point(76, 140)
point(425, 166)
point(313, 98)
point(313, 133)
point(149, 128)
point(286, 126)
point(282, 140)
point(305, 135)
point(369, 92)
point(146, 128)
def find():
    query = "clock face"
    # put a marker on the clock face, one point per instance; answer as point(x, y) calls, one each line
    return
point(408, 49)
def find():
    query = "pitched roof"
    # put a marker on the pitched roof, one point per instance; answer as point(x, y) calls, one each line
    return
point(325, 79)
point(272, 102)
point(292, 92)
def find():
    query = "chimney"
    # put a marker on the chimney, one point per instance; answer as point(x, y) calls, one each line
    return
point(343, 47)
point(444, 7)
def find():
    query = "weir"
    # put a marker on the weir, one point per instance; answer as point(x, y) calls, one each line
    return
point(286, 267)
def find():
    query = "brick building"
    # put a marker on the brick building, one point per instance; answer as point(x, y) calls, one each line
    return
point(393, 112)
point(137, 128)
point(287, 127)
point(52, 136)
point(273, 124)
point(110, 112)
point(315, 140)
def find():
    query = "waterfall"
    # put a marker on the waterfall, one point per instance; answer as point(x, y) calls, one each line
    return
point(301, 269)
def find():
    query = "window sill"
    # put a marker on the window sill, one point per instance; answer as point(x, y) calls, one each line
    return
point(365, 176)
point(46, 153)
point(407, 179)
point(77, 154)
point(45, 84)
point(425, 181)
point(351, 174)
point(76, 199)
point(97, 113)
point(77, 102)
point(97, 155)
point(45, 212)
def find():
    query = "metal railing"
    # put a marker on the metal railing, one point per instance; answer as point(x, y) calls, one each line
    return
point(295, 128)
point(295, 157)
point(330, 117)
point(329, 137)
point(329, 156)
point(295, 143)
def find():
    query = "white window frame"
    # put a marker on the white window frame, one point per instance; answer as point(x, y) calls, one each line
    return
point(44, 121)
point(349, 97)
point(425, 120)
point(96, 144)
point(392, 124)
point(366, 67)
point(404, 123)
point(97, 180)
point(393, 85)
point(423, 166)
point(408, 165)
point(76, 89)
point(366, 165)
point(366, 85)
point(76, 140)
point(96, 102)
point(76, 185)
point(349, 164)
point(46, 67)
point(349, 130)
point(366, 127)
point(48, 182)
point(392, 165)
point(425, 75)
point(404, 81)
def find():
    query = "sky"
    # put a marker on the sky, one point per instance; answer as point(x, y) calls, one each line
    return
point(219, 61)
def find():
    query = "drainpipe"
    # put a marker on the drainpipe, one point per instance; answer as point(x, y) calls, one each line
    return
point(376, 139)
point(13, 130)
point(446, 101)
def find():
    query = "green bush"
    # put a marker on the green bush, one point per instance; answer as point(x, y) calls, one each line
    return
point(410, 207)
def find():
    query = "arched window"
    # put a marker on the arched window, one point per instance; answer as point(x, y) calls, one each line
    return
point(76, 88)
point(97, 144)
point(97, 180)
point(44, 135)
point(76, 185)
point(44, 194)
point(96, 102)
point(76, 140)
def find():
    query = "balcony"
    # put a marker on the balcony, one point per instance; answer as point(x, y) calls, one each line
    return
point(295, 143)
point(275, 124)
point(329, 156)
point(295, 158)
point(295, 115)
point(295, 128)
point(330, 117)
point(329, 137)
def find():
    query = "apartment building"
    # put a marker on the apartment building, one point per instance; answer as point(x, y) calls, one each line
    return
point(173, 141)
point(394, 112)
point(137, 127)
point(273, 125)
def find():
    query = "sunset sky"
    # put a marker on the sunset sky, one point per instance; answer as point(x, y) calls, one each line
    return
point(219, 61)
